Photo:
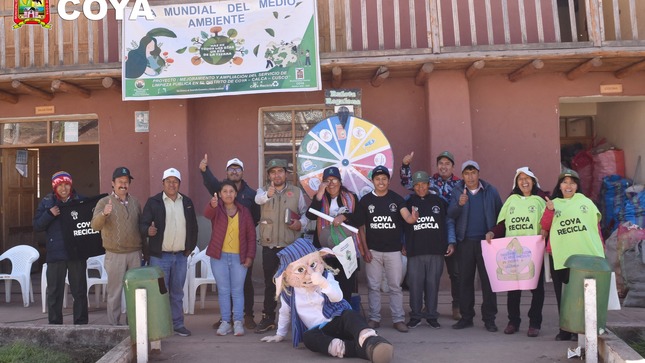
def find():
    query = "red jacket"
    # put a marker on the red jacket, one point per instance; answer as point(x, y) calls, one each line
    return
point(219, 221)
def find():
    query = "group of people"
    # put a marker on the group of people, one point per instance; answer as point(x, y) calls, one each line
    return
point(568, 221)
point(442, 221)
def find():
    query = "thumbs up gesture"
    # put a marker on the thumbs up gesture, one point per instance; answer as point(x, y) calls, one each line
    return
point(108, 208)
point(408, 158)
point(271, 190)
point(463, 198)
point(204, 163)
point(549, 204)
point(152, 230)
point(214, 201)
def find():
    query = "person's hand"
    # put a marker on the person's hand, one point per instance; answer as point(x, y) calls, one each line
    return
point(204, 163)
point(152, 230)
point(295, 226)
point(415, 214)
point(55, 211)
point(321, 189)
point(248, 262)
point(317, 279)
point(489, 236)
point(108, 208)
point(451, 250)
point(214, 201)
point(463, 198)
point(544, 233)
point(338, 220)
point(404, 252)
point(367, 256)
point(271, 190)
point(408, 158)
point(549, 204)
point(272, 339)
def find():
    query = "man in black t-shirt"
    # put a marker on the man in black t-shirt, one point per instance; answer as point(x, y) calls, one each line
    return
point(382, 214)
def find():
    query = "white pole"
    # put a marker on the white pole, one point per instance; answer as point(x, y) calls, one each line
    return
point(141, 312)
point(591, 322)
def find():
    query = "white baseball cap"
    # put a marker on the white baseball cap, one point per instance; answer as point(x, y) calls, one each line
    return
point(235, 161)
point(171, 172)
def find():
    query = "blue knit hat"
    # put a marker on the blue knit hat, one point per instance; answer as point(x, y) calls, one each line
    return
point(295, 251)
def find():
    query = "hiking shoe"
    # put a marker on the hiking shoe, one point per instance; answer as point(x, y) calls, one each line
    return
point(461, 324)
point(182, 332)
point(400, 326)
point(224, 328)
point(510, 329)
point(249, 323)
point(373, 324)
point(434, 323)
point(238, 329)
point(413, 323)
point(491, 327)
point(532, 332)
point(265, 325)
point(378, 350)
point(217, 324)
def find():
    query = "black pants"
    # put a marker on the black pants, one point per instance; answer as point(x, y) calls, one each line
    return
point(537, 302)
point(470, 259)
point(452, 266)
point(248, 292)
point(76, 274)
point(346, 327)
point(559, 277)
point(270, 264)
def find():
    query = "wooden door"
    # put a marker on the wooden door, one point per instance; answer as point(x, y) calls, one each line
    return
point(18, 200)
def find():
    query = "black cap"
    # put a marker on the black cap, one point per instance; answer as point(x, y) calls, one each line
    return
point(121, 171)
point(331, 171)
point(380, 170)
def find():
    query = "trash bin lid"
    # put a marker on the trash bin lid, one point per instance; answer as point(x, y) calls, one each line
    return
point(143, 273)
point(587, 263)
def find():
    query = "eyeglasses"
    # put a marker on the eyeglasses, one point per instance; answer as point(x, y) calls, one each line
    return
point(234, 170)
point(332, 181)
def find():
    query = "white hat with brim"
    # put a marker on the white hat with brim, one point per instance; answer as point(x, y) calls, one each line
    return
point(527, 171)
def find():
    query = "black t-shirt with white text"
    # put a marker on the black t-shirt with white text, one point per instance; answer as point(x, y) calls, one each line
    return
point(383, 221)
point(428, 235)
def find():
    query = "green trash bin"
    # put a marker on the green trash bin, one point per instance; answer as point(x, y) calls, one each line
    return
point(572, 311)
point(150, 278)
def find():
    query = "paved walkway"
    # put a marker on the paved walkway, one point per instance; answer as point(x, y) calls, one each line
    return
point(422, 344)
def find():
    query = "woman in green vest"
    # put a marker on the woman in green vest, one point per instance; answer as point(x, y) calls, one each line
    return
point(520, 216)
point(572, 222)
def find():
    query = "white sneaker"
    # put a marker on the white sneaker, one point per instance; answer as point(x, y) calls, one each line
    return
point(224, 328)
point(238, 328)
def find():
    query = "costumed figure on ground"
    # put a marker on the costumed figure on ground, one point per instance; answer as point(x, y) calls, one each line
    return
point(313, 306)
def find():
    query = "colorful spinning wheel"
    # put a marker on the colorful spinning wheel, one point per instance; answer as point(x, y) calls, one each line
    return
point(355, 148)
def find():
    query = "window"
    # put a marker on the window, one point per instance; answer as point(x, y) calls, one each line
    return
point(282, 130)
point(42, 131)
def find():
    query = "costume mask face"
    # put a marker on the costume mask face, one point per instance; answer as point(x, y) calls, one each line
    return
point(299, 273)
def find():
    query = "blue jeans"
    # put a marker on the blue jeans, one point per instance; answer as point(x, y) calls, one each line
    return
point(174, 268)
point(229, 275)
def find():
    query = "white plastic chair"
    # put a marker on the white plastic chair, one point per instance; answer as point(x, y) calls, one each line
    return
point(205, 278)
point(186, 297)
point(96, 263)
point(21, 257)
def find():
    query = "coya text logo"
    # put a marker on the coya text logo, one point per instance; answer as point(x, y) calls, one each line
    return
point(140, 8)
point(31, 12)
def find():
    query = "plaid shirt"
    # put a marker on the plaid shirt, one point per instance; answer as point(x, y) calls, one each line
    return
point(438, 186)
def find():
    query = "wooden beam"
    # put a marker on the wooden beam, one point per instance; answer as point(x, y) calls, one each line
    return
point(423, 74)
point(70, 88)
point(8, 97)
point(111, 83)
point(382, 73)
point(31, 90)
point(525, 70)
point(584, 68)
point(336, 77)
point(474, 68)
point(622, 73)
